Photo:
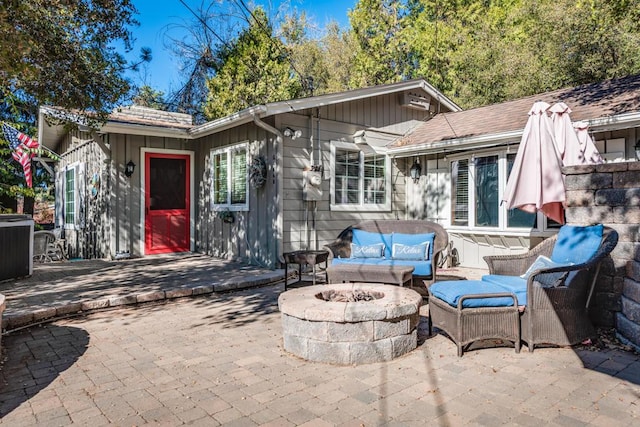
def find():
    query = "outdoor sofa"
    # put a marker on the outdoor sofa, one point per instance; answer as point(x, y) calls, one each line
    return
point(521, 300)
point(418, 244)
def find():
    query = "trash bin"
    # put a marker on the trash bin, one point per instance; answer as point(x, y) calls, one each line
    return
point(16, 246)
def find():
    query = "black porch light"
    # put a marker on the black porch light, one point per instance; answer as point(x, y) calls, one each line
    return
point(415, 171)
point(129, 168)
point(637, 148)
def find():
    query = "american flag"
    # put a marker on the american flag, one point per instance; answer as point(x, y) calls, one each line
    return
point(21, 145)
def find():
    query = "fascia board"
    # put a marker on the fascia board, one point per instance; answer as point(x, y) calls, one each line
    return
point(227, 122)
point(144, 130)
point(356, 94)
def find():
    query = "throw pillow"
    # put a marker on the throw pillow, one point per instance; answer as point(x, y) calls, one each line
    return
point(375, 250)
point(361, 237)
point(415, 239)
point(540, 263)
point(577, 244)
point(410, 252)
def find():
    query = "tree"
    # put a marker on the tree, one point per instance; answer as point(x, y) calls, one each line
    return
point(254, 69)
point(59, 53)
point(381, 51)
point(146, 96)
point(62, 52)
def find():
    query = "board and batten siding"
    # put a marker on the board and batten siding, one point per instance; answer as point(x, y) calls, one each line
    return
point(89, 237)
point(312, 224)
point(254, 236)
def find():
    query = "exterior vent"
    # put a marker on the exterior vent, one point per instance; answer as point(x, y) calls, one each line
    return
point(418, 101)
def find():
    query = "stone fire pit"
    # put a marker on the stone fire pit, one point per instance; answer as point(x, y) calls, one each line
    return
point(377, 323)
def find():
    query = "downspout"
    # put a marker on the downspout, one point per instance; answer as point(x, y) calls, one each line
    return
point(277, 177)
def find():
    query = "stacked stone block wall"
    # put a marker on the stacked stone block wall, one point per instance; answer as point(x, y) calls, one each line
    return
point(610, 194)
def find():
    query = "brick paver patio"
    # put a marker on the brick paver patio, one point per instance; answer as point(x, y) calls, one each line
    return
point(217, 359)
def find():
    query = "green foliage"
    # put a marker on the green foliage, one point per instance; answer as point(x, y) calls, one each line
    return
point(255, 69)
point(146, 96)
point(381, 56)
point(61, 53)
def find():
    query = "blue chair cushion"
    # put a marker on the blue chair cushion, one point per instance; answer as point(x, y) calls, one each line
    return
point(365, 238)
point(452, 291)
point(415, 239)
point(514, 284)
point(577, 244)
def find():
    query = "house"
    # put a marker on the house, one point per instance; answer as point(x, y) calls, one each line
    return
point(268, 179)
point(465, 158)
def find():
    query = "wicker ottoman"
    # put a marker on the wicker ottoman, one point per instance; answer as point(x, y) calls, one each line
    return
point(465, 325)
point(393, 275)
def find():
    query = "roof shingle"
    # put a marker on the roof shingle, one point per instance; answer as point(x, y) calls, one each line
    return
point(587, 102)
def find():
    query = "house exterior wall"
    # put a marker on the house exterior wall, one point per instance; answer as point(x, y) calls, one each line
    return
point(110, 207)
point(88, 236)
point(312, 224)
point(255, 234)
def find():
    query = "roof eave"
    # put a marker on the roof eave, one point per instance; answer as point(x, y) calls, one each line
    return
point(280, 107)
point(600, 124)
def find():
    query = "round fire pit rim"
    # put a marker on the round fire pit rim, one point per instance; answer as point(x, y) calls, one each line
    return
point(302, 303)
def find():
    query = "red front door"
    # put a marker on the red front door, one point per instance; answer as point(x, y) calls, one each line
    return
point(167, 203)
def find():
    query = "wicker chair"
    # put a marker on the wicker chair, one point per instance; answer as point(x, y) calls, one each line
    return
point(43, 241)
point(557, 298)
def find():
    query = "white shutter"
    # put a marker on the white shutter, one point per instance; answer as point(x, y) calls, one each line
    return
point(81, 187)
point(59, 197)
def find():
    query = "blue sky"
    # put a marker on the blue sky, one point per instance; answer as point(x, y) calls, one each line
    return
point(162, 72)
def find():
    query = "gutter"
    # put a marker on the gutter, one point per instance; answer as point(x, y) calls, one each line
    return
point(456, 144)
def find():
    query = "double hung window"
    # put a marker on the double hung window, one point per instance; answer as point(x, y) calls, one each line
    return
point(359, 181)
point(229, 177)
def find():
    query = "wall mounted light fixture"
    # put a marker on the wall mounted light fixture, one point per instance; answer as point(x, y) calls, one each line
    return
point(415, 171)
point(637, 148)
point(129, 169)
point(292, 133)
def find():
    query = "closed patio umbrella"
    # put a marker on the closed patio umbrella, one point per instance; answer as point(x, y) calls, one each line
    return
point(573, 150)
point(536, 182)
point(589, 152)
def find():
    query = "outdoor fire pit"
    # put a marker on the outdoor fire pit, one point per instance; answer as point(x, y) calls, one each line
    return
point(350, 323)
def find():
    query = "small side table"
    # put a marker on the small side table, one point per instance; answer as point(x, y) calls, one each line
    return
point(305, 257)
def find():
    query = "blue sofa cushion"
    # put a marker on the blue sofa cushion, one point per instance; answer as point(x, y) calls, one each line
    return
point(421, 268)
point(365, 238)
point(452, 291)
point(514, 284)
point(415, 239)
point(410, 252)
point(577, 244)
point(375, 250)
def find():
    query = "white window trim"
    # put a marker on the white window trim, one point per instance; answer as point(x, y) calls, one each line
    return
point(362, 207)
point(541, 223)
point(75, 166)
point(229, 149)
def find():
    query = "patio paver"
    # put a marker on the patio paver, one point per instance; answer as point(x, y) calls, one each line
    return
point(217, 359)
